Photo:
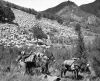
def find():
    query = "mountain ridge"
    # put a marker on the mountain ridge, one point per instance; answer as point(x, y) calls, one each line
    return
point(59, 7)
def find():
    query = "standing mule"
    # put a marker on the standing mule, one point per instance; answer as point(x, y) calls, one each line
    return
point(70, 65)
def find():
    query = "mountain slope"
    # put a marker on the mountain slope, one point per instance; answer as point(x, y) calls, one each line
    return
point(93, 8)
point(68, 11)
point(14, 34)
point(11, 33)
point(19, 35)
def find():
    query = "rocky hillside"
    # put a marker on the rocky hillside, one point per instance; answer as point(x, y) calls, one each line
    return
point(20, 35)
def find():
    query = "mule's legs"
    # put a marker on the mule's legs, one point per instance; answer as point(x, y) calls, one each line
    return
point(43, 69)
point(27, 68)
point(76, 73)
point(46, 68)
point(63, 72)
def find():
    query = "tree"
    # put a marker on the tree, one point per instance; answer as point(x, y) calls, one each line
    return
point(81, 51)
point(6, 14)
point(38, 16)
point(38, 33)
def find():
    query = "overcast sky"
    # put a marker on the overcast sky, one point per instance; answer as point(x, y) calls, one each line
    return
point(40, 5)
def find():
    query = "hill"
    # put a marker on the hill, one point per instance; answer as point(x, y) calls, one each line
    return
point(93, 8)
point(69, 12)
point(65, 7)
point(60, 6)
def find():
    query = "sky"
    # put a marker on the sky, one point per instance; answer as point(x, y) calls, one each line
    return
point(41, 5)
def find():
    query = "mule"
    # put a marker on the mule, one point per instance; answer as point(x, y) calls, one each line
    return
point(32, 62)
point(70, 65)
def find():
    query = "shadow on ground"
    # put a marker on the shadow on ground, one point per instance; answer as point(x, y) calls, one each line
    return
point(80, 77)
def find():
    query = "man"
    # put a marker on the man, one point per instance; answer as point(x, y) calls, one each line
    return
point(45, 68)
